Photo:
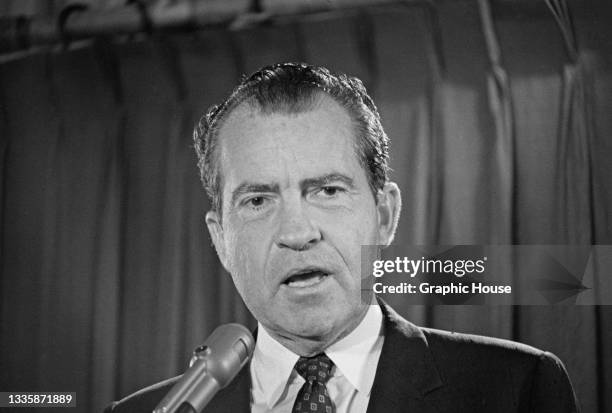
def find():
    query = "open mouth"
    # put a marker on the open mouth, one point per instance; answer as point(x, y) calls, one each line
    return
point(305, 279)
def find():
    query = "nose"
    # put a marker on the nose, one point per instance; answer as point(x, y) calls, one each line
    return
point(296, 230)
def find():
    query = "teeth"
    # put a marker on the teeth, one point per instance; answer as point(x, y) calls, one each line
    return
point(305, 281)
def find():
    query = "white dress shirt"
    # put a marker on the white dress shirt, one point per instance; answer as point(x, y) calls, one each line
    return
point(275, 384)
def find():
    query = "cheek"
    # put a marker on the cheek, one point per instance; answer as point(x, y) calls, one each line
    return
point(247, 256)
point(353, 228)
point(348, 236)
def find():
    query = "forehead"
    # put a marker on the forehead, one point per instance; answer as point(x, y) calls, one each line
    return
point(318, 107)
point(320, 136)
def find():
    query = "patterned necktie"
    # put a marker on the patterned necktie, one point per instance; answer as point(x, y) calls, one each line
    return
point(313, 396)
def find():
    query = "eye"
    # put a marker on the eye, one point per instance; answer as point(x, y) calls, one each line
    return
point(256, 201)
point(255, 205)
point(330, 190)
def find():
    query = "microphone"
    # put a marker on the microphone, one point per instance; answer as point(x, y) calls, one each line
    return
point(212, 367)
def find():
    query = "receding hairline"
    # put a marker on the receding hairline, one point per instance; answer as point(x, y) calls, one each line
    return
point(251, 107)
point(286, 88)
point(306, 103)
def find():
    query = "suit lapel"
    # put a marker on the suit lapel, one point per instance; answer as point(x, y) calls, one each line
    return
point(406, 371)
point(405, 374)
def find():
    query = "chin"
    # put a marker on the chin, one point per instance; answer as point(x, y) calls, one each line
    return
point(316, 326)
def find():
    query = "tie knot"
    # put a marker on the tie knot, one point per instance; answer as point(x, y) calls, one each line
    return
point(315, 369)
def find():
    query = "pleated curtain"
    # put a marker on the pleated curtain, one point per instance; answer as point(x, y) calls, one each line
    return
point(500, 126)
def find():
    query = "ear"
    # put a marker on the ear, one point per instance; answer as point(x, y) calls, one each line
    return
point(213, 222)
point(389, 206)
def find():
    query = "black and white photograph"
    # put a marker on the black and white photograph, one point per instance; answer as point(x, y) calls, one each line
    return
point(337, 206)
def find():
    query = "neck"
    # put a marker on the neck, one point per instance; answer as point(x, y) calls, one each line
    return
point(307, 346)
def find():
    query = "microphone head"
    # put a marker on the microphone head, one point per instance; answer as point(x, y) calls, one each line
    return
point(225, 352)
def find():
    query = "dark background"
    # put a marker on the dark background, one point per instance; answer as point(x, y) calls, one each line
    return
point(108, 276)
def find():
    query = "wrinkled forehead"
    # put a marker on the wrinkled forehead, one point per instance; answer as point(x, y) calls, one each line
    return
point(252, 108)
point(321, 133)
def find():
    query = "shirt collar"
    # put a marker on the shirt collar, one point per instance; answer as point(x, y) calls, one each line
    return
point(271, 366)
point(355, 356)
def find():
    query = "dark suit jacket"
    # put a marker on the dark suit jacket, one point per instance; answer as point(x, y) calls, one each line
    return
point(427, 370)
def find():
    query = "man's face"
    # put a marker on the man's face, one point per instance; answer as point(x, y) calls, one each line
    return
point(296, 209)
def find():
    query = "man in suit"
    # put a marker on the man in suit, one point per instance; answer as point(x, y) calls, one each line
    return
point(295, 163)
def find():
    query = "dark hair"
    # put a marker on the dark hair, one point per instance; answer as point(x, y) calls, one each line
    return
point(293, 88)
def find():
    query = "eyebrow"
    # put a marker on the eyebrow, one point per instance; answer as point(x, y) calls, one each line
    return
point(252, 187)
point(326, 180)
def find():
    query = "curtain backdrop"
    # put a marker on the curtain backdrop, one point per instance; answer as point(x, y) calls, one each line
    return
point(500, 135)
